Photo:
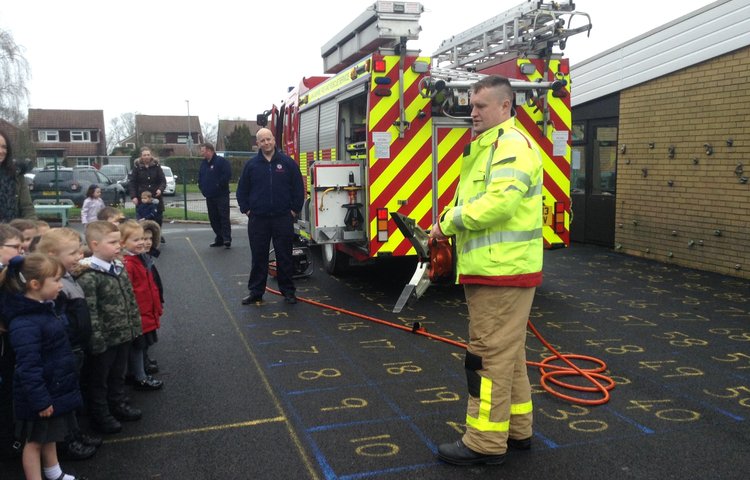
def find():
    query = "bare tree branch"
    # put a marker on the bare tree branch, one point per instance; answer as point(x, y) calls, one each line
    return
point(119, 129)
point(14, 73)
point(210, 132)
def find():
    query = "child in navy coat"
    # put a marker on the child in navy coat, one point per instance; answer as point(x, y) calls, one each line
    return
point(45, 387)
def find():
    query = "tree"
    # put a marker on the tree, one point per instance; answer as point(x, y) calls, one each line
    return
point(240, 140)
point(14, 72)
point(210, 131)
point(120, 128)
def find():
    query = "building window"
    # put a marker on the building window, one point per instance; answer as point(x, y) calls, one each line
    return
point(183, 139)
point(49, 162)
point(80, 136)
point(130, 145)
point(157, 138)
point(85, 161)
point(49, 136)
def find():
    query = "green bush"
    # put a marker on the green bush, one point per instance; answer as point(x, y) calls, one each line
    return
point(186, 168)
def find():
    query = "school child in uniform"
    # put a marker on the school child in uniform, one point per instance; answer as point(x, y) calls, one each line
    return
point(111, 214)
point(92, 205)
point(10, 246)
point(151, 236)
point(147, 208)
point(28, 230)
point(115, 322)
point(42, 227)
point(45, 387)
point(147, 296)
point(65, 245)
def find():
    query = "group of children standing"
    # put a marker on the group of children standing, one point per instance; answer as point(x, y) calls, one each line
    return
point(73, 330)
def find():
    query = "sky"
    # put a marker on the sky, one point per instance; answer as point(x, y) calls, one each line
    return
point(230, 59)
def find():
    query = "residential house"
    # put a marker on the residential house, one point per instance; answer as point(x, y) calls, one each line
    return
point(167, 135)
point(68, 137)
point(225, 129)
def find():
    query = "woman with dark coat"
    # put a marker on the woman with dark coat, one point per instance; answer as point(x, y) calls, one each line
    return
point(15, 198)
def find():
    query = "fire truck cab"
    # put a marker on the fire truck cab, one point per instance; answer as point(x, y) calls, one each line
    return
point(384, 130)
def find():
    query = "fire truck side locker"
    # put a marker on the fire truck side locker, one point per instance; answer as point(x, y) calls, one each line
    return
point(335, 189)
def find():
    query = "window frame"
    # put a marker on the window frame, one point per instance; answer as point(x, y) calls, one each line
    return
point(49, 136)
point(84, 134)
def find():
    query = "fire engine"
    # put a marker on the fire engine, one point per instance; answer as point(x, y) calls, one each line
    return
point(384, 129)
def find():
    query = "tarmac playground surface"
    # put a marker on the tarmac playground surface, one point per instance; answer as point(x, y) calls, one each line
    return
point(282, 391)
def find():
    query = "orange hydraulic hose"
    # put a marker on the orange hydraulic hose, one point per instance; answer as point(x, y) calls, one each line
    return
point(549, 372)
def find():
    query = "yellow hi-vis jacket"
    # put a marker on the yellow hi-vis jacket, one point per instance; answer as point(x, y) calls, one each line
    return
point(496, 214)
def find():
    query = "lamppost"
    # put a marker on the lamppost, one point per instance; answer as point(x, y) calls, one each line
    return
point(190, 155)
point(190, 134)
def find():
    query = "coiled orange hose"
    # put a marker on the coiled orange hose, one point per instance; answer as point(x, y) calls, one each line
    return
point(549, 372)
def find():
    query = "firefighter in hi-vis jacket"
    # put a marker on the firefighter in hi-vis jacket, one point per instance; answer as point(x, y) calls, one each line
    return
point(496, 218)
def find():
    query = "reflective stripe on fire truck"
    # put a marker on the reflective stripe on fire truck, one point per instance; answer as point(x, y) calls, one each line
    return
point(556, 168)
point(410, 162)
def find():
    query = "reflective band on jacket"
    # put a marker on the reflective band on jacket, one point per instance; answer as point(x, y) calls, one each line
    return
point(521, 408)
point(510, 173)
point(482, 422)
point(501, 237)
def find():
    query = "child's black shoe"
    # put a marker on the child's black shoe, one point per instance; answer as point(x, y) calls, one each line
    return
point(72, 449)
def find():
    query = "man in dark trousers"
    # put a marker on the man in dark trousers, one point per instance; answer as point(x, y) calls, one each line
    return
point(213, 180)
point(271, 193)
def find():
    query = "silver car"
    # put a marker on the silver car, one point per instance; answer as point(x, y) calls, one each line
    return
point(170, 190)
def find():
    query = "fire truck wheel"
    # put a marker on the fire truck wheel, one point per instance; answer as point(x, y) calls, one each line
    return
point(334, 261)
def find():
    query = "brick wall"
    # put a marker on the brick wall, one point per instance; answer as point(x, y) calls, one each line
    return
point(692, 209)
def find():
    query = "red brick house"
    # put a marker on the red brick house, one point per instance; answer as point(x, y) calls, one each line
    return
point(167, 135)
point(70, 137)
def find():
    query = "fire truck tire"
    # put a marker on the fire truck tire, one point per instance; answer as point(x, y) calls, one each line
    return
point(335, 262)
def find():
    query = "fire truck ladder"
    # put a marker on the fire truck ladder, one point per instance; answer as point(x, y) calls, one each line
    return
point(450, 87)
point(531, 28)
point(382, 25)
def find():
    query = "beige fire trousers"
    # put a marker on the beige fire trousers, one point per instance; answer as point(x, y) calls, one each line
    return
point(499, 392)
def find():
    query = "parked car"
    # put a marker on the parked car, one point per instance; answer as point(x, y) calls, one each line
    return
point(171, 184)
point(118, 173)
point(29, 176)
point(72, 183)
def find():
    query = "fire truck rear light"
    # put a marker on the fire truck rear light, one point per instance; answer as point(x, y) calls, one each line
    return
point(559, 222)
point(379, 66)
point(382, 92)
point(382, 225)
point(382, 80)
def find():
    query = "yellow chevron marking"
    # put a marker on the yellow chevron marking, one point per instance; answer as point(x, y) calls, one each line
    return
point(396, 164)
point(424, 207)
point(386, 103)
